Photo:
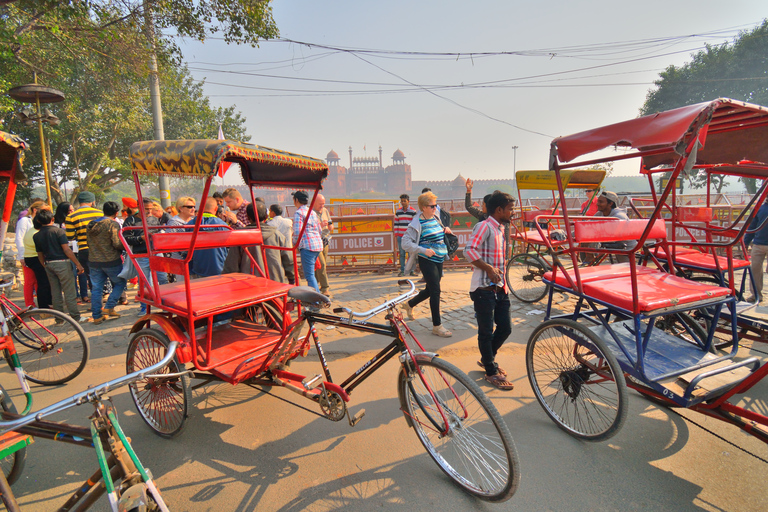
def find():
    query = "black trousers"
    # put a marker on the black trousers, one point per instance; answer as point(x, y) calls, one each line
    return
point(84, 279)
point(492, 307)
point(432, 273)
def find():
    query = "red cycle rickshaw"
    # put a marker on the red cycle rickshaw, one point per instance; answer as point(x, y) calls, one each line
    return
point(635, 324)
point(247, 328)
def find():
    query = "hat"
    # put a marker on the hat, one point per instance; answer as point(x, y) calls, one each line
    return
point(130, 202)
point(301, 196)
point(611, 196)
point(86, 197)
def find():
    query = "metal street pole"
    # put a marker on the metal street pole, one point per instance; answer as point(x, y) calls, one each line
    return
point(514, 160)
point(154, 95)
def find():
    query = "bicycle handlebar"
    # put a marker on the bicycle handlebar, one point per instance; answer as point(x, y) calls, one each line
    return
point(5, 284)
point(382, 307)
point(89, 395)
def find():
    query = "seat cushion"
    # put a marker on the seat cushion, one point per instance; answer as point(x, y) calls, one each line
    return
point(707, 261)
point(655, 290)
point(597, 273)
point(216, 293)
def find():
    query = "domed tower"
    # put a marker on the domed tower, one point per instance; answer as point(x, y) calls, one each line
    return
point(332, 158)
point(398, 158)
point(336, 183)
point(398, 175)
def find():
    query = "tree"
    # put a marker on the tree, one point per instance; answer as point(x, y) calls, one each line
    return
point(737, 70)
point(97, 54)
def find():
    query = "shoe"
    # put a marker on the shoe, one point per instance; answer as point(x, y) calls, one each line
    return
point(400, 274)
point(441, 331)
point(110, 312)
point(499, 382)
point(100, 320)
point(86, 300)
point(123, 301)
point(422, 280)
point(498, 369)
point(408, 311)
point(141, 313)
point(412, 273)
point(81, 320)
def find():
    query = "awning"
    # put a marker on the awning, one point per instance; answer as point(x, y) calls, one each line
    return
point(730, 131)
point(11, 156)
point(202, 158)
point(545, 180)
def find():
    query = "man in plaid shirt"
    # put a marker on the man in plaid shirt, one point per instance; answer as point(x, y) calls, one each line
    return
point(312, 241)
point(485, 250)
point(236, 216)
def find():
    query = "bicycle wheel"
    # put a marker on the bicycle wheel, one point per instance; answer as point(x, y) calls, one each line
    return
point(163, 402)
point(524, 277)
point(52, 347)
point(12, 464)
point(577, 381)
point(675, 323)
point(478, 452)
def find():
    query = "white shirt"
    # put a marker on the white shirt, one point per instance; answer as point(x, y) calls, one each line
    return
point(22, 226)
point(284, 226)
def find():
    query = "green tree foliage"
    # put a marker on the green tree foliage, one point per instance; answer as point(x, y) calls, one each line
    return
point(737, 70)
point(96, 53)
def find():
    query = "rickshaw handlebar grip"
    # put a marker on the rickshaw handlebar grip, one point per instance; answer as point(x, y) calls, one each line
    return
point(90, 395)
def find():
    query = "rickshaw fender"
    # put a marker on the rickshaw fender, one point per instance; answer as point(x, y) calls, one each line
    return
point(183, 350)
point(419, 357)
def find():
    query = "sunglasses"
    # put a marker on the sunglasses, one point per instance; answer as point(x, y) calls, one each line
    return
point(190, 206)
point(433, 206)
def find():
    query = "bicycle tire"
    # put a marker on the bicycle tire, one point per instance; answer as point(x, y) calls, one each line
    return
point(52, 347)
point(482, 459)
point(162, 403)
point(524, 277)
point(576, 380)
point(13, 464)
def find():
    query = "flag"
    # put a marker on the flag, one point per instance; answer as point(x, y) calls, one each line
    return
point(224, 165)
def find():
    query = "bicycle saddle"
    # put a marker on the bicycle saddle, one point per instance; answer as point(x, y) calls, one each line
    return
point(307, 294)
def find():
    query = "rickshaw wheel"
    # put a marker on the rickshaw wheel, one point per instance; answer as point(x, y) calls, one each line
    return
point(524, 277)
point(163, 403)
point(675, 323)
point(577, 380)
point(13, 464)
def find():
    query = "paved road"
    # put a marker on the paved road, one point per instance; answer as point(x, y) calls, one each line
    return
point(247, 448)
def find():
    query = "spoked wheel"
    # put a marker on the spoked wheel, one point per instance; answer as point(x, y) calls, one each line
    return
point(524, 277)
point(12, 464)
point(675, 324)
point(576, 380)
point(477, 451)
point(163, 402)
point(52, 347)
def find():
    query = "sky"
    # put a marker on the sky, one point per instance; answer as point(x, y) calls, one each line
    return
point(547, 69)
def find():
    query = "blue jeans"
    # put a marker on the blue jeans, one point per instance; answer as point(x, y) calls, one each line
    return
point(162, 277)
point(99, 276)
point(308, 259)
point(402, 253)
point(491, 307)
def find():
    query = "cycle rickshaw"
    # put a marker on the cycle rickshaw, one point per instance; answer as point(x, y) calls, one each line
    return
point(633, 324)
point(246, 328)
point(526, 268)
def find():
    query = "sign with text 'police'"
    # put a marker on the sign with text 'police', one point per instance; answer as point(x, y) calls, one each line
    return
point(362, 243)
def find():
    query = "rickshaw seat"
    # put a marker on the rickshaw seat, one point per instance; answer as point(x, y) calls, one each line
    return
point(216, 293)
point(596, 231)
point(661, 254)
point(532, 236)
point(707, 261)
point(597, 273)
point(655, 290)
point(182, 240)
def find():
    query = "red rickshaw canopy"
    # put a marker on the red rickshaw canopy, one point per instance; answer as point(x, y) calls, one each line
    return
point(11, 156)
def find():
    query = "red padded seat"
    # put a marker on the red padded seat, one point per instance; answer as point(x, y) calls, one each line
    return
point(213, 294)
point(707, 261)
point(598, 272)
point(655, 291)
point(661, 254)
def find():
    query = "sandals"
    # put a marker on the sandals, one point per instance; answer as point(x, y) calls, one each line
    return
point(498, 368)
point(499, 382)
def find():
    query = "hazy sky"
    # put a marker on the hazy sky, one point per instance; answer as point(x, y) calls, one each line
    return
point(569, 66)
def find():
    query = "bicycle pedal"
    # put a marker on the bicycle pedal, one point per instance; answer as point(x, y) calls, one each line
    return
point(312, 382)
point(353, 420)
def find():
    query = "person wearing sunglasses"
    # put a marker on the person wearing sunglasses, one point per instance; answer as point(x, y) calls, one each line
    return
point(187, 211)
point(424, 243)
point(591, 201)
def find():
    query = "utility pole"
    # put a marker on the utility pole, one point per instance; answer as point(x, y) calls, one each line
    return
point(154, 94)
point(514, 160)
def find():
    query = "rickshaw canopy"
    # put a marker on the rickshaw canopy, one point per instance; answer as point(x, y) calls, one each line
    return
point(728, 131)
point(11, 157)
point(546, 180)
point(203, 158)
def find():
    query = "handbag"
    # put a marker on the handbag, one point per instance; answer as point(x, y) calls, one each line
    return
point(129, 271)
point(451, 243)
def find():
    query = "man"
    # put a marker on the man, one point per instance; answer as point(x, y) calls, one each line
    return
point(482, 213)
point(76, 223)
point(135, 238)
point(758, 251)
point(279, 263)
point(105, 261)
point(326, 228)
point(53, 251)
point(208, 262)
point(311, 241)
point(607, 206)
point(592, 201)
point(236, 216)
point(488, 291)
point(283, 224)
point(403, 217)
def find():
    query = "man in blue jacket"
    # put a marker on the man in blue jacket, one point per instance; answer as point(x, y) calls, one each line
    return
point(209, 262)
point(759, 251)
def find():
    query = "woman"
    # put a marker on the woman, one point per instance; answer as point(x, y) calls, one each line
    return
point(187, 209)
point(32, 265)
point(424, 241)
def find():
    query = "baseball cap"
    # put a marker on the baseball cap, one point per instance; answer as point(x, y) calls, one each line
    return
point(301, 196)
point(611, 196)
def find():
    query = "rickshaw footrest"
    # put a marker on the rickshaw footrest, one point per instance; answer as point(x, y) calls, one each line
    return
point(353, 420)
point(312, 382)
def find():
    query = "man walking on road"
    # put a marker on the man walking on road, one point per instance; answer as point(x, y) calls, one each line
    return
point(485, 250)
point(76, 223)
point(326, 225)
point(403, 217)
point(105, 261)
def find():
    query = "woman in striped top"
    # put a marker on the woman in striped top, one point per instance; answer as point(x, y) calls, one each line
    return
point(423, 240)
